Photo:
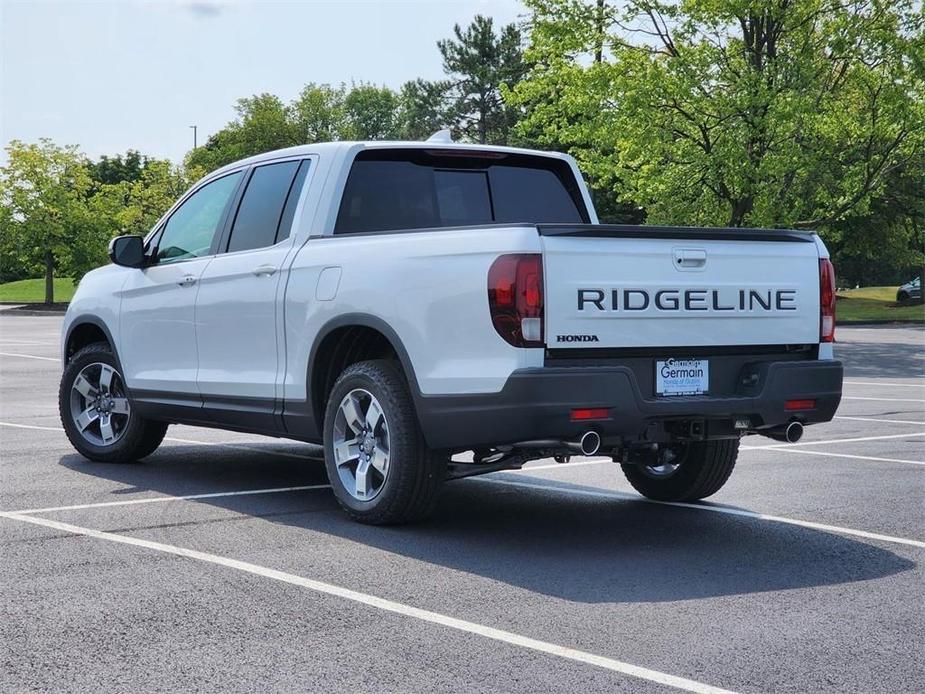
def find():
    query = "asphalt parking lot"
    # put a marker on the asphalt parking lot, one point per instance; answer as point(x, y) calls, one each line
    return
point(223, 563)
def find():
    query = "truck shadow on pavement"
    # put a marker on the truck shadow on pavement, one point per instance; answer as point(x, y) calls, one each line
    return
point(583, 549)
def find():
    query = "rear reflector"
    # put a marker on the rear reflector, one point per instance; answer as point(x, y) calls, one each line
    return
point(800, 405)
point(826, 300)
point(582, 415)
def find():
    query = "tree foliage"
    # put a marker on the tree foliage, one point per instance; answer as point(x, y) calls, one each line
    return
point(738, 112)
point(480, 64)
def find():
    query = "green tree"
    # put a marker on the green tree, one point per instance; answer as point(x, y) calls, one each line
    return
point(480, 64)
point(422, 109)
point(108, 170)
point(317, 114)
point(263, 123)
point(44, 189)
point(369, 114)
point(735, 112)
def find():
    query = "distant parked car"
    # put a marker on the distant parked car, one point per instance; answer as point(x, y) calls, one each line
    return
point(909, 291)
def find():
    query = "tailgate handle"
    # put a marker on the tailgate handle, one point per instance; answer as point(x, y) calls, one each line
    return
point(689, 258)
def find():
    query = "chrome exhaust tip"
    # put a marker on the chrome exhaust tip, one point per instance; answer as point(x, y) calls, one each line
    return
point(589, 443)
point(793, 432)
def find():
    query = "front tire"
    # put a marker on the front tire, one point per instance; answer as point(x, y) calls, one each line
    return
point(379, 466)
point(902, 298)
point(694, 470)
point(97, 413)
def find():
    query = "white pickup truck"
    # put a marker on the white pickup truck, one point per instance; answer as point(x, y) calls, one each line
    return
point(406, 303)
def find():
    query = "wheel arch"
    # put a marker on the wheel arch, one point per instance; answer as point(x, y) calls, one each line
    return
point(84, 330)
point(348, 339)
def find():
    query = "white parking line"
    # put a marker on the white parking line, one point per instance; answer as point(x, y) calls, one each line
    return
point(827, 454)
point(858, 397)
point(879, 419)
point(828, 441)
point(239, 447)
point(28, 356)
point(161, 499)
point(714, 509)
point(884, 384)
point(390, 606)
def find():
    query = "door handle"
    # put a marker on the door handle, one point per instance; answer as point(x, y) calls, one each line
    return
point(264, 270)
point(187, 281)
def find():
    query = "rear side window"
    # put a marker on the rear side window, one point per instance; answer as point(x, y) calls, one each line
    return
point(257, 222)
point(419, 189)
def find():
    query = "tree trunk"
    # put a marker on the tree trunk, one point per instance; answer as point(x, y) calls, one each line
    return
point(49, 277)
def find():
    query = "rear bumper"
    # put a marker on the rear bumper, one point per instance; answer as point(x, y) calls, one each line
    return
point(537, 403)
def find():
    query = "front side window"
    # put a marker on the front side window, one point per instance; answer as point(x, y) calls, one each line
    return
point(191, 228)
point(258, 219)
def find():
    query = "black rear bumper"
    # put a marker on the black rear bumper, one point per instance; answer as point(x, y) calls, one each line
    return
point(537, 404)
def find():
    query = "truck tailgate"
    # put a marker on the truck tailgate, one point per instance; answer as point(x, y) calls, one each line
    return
point(612, 287)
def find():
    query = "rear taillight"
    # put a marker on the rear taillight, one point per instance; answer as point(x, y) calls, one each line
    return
point(515, 298)
point(826, 300)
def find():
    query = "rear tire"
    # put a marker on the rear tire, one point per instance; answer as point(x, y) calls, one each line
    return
point(370, 418)
point(127, 436)
point(902, 298)
point(704, 467)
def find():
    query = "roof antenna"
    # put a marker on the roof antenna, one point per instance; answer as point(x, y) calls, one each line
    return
point(441, 136)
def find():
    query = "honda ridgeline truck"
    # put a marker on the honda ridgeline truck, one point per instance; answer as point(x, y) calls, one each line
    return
point(429, 310)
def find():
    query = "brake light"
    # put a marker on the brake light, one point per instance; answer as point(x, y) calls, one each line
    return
point(585, 413)
point(826, 300)
point(792, 405)
point(515, 298)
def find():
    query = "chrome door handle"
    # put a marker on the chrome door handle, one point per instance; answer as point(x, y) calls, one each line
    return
point(264, 270)
point(187, 281)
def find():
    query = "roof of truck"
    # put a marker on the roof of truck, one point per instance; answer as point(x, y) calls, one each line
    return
point(336, 147)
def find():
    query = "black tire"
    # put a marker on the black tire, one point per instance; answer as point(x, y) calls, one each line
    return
point(705, 467)
point(902, 298)
point(139, 438)
point(415, 475)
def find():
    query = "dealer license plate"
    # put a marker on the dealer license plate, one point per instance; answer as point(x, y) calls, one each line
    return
point(682, 376)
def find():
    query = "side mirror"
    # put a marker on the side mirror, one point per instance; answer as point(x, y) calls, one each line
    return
point(128, 251)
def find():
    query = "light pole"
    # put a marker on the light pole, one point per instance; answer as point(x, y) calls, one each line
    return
point(194, 135)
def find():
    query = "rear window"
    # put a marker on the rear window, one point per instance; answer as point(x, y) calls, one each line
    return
point(419, 189)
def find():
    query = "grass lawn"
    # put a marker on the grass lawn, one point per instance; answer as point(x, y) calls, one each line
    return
point(33, 291)
point(874, 304)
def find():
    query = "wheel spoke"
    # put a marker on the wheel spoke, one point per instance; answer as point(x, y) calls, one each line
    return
point(106, 373)
point(346, 452)
point(120, 406)
point(362, 479)
point(351, 409)
point(83, 386)
point(379, 459)
point(373, 415)
point(86, 418)
point(106, 428)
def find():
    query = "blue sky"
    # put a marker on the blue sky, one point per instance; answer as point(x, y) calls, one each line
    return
point(109, 76)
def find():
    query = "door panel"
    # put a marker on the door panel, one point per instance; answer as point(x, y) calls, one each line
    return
point(237, 307)
point(157, 315)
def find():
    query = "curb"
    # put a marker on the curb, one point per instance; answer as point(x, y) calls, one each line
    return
point(16, 311)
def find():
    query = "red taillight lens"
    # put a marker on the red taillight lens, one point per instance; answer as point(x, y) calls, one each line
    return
point(586, 413)
point(515, 298)
point(791, 405)
point(826, 300)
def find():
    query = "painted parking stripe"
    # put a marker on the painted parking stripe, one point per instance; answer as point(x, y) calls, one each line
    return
point(827, 454)
point(239, 447)
point(830, 441)
point(162, 499)
point(884, 384)
point(28, 356)
point(858, 397)
point(880, 419)
point(712, 508)
point(402, 609)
